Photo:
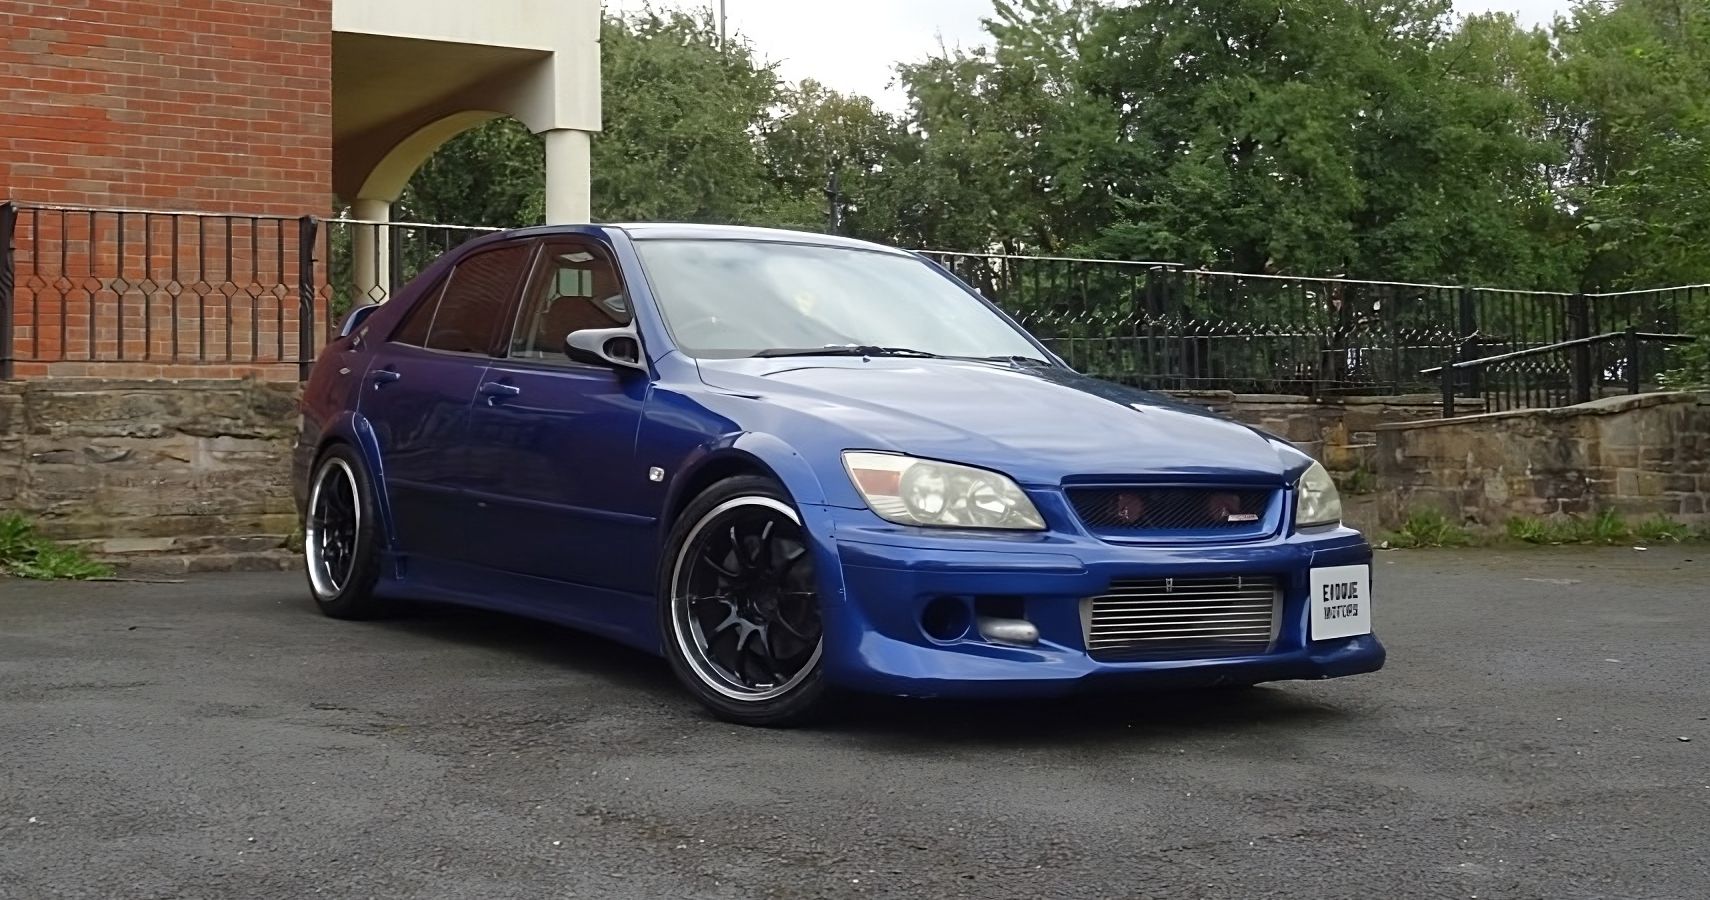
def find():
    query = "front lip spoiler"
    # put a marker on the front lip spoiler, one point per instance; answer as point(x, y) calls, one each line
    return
point(912, 671)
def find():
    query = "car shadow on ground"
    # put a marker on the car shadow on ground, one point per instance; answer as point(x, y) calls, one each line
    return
point(556, 645)
point(1114, 715)
point(1127, 716)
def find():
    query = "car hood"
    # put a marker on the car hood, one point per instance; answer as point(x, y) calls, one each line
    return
point(1038, 425)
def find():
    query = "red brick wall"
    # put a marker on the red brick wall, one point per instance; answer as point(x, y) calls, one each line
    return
point(218, 106)
point(212, 105)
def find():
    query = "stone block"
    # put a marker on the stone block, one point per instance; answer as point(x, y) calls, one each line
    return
point(1560, 506)
point(226, 450)
point(1679, 483)
point(134, 545)
point(1621, 457)
point(11, 414)
point(90, 527)
point(106, 409)
point(1641, 507)
point(272, 561)
point(1351, 457)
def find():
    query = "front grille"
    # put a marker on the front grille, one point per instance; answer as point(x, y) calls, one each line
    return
point(1141, 511)
point(1173, 617)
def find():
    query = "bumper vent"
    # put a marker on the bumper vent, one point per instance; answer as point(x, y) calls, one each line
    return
point(1173, 512)
point(1151, 618)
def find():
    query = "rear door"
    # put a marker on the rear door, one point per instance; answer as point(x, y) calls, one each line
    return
point(419, 387)
point(557, 481)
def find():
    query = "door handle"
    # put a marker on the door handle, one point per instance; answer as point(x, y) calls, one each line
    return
point(384, 377)
point(495, 391)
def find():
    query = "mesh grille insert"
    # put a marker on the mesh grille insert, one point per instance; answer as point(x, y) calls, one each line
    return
point(1143, 510)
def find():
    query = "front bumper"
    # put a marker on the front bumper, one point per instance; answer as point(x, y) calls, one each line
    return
point(882, 579)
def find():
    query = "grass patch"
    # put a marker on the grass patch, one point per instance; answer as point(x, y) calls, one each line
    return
point(1605, 528)
point(1664, 530)
point(1429, 528)
point(26, 554)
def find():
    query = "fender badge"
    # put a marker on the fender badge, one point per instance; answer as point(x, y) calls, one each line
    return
point(655, 474)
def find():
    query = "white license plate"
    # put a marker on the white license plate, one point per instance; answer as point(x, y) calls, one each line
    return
point(1341, 601)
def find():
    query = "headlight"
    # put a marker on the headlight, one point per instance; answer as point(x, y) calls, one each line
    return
point(911, 491)
point(1317, 502)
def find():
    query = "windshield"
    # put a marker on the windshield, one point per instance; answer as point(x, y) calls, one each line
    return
point(728, 298)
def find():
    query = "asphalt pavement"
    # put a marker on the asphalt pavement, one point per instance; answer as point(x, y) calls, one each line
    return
point(1542, 730)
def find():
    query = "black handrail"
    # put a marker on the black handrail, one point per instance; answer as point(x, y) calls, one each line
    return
point(1582, 389)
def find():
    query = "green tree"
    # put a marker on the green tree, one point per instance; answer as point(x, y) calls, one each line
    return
point(1635, 89)
point(1013, 152)
point(812, 132)
point(1369, 138)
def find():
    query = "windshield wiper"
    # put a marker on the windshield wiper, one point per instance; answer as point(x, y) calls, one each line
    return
point(847, 350)
point(1030, 361)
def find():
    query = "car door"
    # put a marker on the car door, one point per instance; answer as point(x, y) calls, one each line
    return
point(419, 386)
point(557, 480)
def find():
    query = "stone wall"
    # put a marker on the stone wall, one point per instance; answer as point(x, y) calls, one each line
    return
point(195, 474)
point(1342, 432)
point(1639, 456)
point(179, 474)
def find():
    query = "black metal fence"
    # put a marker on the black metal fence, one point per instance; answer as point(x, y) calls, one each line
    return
point(89, 291)
point(1159, 326)
point(121, 292)
point(111, 291)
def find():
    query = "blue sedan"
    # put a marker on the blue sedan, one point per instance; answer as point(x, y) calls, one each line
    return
point(792, 464)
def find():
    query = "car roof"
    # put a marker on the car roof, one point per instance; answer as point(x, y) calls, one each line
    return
point(691, 231)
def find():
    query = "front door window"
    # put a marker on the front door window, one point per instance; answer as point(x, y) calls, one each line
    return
point(576, 287)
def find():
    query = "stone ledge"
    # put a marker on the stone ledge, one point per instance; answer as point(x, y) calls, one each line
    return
point(1605, 406)
point(268, 561)
point(61, 384)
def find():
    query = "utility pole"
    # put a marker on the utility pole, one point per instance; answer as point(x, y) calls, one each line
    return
point(721, 24)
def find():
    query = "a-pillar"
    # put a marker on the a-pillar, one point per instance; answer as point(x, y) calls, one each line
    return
point(569, 177)
point(371, 250)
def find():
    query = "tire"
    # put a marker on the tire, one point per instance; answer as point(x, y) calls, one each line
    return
point(764, 602)
point(343, 588)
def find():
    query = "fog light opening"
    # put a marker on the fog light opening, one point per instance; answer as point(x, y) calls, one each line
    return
point(1003, 620)
point(946, 619)
point(1009, 631)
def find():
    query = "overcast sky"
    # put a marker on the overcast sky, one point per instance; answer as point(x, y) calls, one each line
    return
point(871, 35)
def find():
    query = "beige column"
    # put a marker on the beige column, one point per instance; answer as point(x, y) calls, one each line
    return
point(371, 251)
point(569, 177)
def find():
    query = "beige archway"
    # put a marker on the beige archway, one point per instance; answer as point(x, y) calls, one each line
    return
point(409, 75)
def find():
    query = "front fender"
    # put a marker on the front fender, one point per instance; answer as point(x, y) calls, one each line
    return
point(790, 467)
point(747, 450)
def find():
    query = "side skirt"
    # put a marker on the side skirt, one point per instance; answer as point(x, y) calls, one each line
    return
point(629, 619)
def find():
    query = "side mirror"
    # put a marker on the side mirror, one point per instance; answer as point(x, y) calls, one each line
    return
point(614, 347)
point(355, 318)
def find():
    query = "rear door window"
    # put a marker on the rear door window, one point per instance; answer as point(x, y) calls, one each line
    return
point(471, 312)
